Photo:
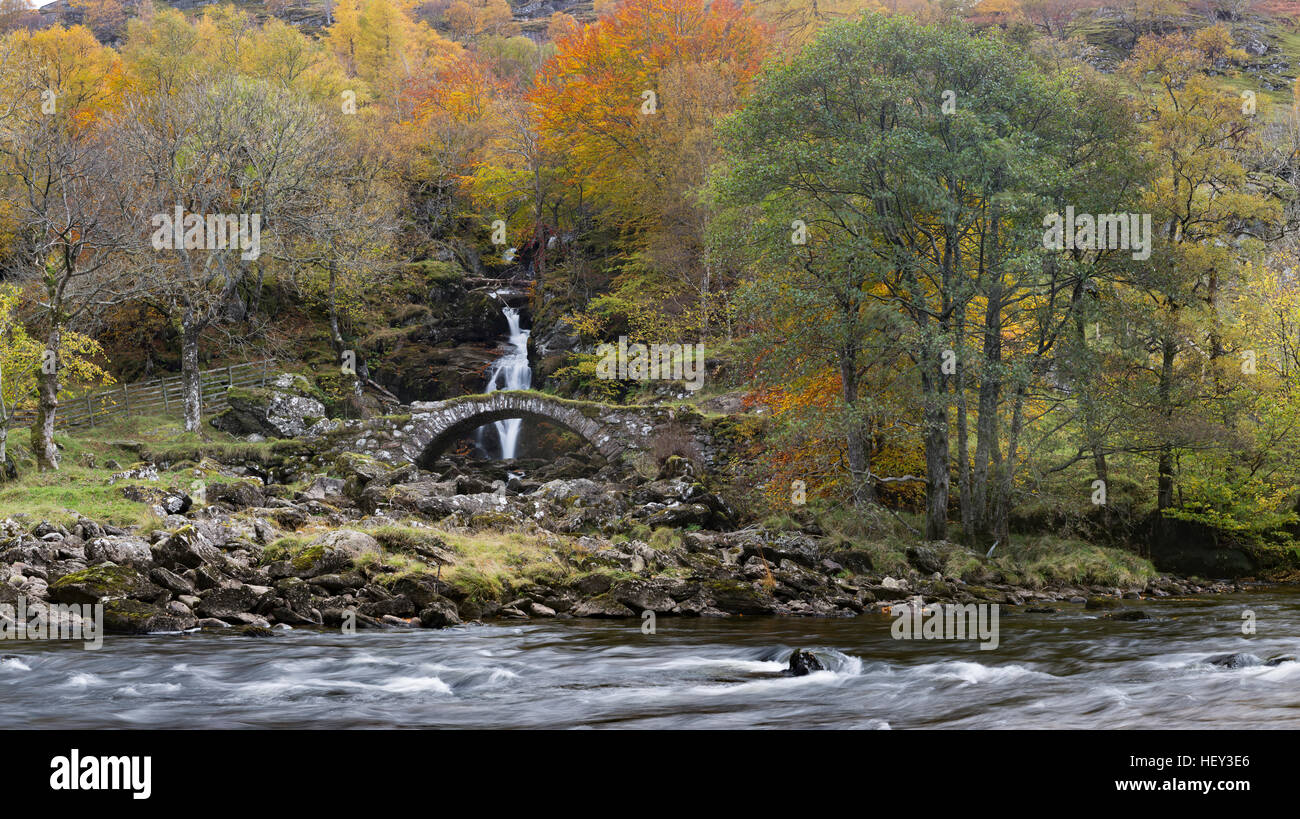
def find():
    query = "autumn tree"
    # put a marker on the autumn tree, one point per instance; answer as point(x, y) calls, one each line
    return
point(21, 360)
point(223, 157)
point(1204, 203)
point(67, 195)
point(629, 101)
point(880, 242)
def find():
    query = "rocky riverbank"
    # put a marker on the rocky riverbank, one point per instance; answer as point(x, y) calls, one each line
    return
point(355, 542)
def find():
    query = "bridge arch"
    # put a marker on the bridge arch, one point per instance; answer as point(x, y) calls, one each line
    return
point(438, 424)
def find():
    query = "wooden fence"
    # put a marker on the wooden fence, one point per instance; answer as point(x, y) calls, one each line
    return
point(153, 396)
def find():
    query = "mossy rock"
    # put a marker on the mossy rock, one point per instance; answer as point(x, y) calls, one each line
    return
point(308, 557)
point(100, 582)
point(357, 470)
point(333, 552)
point(741, 598)
point(135, 617)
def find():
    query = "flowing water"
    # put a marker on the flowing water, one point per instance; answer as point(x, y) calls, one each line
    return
point(1065, 670)
point(510, 372)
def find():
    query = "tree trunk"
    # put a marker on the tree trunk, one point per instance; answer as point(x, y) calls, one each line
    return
point(987, 423)
point(990, 394)
point(1165, 467)
point(4, 431)
point(1007, 471)
point(47, 454)
point(191, 387)
point(859, 468)
point(964, 474)
point(336, 336)
point(936, 454)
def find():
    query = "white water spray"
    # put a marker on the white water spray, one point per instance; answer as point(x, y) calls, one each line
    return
point(511, 372)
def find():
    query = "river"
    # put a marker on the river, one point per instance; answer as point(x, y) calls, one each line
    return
point(1070, 669)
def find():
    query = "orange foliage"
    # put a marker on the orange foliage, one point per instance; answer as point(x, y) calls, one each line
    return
point(591, 97)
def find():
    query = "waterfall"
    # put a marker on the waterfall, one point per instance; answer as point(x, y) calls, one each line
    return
point(511, 372)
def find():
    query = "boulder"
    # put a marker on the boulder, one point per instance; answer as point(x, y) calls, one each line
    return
point(925, 559)
point(1239, 660)
point(737, 597)
point(279, 411)
point(171, 581)
point(100, 583)
point(602, 606)
point(135, 617)
point(189, 548)
point(176, 504)
point(640, 596)
point(323, 487)
point(122, 550)
point(334, 552)
point(803, 663)
point(421, 589)
point(357, 470)
point(228, 603)
point(238, 494)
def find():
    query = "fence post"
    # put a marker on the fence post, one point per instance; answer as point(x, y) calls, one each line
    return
point(265, 364)
point(162, 384)
point(90, 413)
point(126, 398)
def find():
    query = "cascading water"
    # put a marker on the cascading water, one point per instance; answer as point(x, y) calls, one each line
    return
point(511, 372)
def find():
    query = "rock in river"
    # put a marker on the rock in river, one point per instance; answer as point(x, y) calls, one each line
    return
point(803, 663)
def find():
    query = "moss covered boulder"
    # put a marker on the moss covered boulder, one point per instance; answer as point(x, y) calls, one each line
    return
point(135, 617)
point(357, 470)
point(334, 552)
point(285, 409)
point(737, 597)
point(102, 582)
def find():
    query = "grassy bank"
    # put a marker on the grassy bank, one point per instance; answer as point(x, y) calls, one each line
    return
point(90, 457)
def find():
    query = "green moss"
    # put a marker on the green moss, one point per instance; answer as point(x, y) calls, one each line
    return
point(433, 272)
point(308, 557)
point(284, 548)
point(108, 580)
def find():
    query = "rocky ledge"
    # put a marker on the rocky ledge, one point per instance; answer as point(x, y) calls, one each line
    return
point(361, 544)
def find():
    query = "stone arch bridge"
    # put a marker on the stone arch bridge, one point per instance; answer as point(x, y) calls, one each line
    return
point(615, 431)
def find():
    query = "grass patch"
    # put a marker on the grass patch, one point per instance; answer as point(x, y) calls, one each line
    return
point(490, 563)
point(1047, 559)
point(664, 539)
point(80, 485)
